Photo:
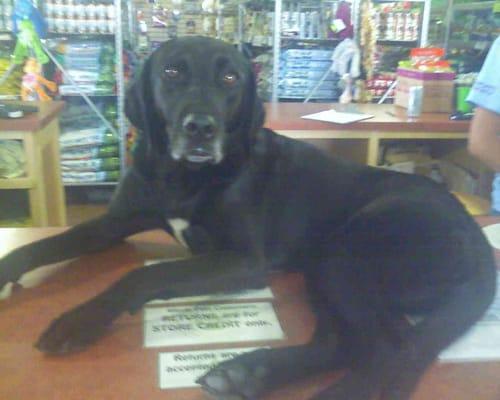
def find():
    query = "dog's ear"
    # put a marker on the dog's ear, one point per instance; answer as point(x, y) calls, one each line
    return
point(141, 111)
point(252, 111)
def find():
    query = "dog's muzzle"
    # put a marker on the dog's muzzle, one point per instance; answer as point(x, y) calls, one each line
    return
point(199, 140)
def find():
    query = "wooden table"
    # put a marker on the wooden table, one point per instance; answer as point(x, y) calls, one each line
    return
point(118, 367)
point(389, 123)
point(39, 134)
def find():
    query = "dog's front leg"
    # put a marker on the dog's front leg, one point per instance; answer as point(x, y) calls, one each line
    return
point(216, 272)
point(97, 234)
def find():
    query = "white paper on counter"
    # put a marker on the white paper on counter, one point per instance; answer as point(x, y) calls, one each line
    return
point(181, 369)
point(337, 116)
point(211, 323)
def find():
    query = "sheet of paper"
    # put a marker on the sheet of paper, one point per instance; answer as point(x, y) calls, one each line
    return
point(492, 232)
point(211, 323)
point(181, 369)
point(337, 117)
point(482, 341)
point(257, 294)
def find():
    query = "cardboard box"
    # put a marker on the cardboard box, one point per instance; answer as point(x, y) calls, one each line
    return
point(438, 89)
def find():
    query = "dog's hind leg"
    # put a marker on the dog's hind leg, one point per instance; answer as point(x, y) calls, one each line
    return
point(435, 332)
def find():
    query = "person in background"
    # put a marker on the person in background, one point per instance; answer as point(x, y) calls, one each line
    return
point(484, 135)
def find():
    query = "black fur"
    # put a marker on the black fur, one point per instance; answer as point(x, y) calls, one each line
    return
point(374, 246)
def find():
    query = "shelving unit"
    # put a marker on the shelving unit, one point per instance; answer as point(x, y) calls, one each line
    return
point(396, 27)
point(304, 26)
point(471, 28)
point(86, 24)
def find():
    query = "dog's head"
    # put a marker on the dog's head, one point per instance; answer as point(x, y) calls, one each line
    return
point(195, 102)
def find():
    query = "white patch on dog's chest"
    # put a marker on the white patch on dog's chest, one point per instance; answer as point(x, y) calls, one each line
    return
point(178, 225)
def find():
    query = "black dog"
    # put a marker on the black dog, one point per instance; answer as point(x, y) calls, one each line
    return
point(374, 246)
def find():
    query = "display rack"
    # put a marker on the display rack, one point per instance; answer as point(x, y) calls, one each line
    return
point(303, 28)
point(397, 26)
point(471, 28)
point(74, 27)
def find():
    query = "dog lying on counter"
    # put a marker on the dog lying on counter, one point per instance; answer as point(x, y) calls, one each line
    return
point(374, 246)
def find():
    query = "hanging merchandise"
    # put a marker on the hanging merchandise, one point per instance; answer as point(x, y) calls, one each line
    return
point(368, 37)
point(33, 83)
point(342, 25)
point(345, 62)
point(29, 26)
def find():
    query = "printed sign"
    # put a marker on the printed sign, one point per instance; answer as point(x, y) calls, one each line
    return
point(214, 323)
point(181, 369)
point(257, 294)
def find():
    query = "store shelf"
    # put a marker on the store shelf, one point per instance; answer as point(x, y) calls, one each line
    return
point(474, 5)
point(315, 40)
point(397, 42)
point(89, 95)
point(79, 36)
point(74, 184)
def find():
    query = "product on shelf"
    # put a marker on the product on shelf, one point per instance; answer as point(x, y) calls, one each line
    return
point(91, 165)
point(12, 85)
point(86, 177)
point(89, 150)
point(397, 21)
point(379, 84)
point(80, 16)
point(301, 71)
point(427, 69)
point(87, 137)
point(6, 11)
point(368, 37)
point(90, 65)
point(166, 19)
point(12, 159)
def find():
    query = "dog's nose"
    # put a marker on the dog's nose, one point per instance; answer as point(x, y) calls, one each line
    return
point(199, 125)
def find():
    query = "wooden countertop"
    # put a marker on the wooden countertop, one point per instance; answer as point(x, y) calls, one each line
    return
point(119, 367)
point(48, 110)
point(387, 117)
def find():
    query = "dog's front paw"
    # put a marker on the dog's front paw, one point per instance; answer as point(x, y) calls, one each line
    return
point(243, 378)
point(76, 329)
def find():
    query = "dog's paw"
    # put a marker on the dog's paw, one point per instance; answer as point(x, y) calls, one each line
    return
point(75, 329)
point(243, 378)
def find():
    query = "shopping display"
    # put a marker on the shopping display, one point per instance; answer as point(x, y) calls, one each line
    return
point(300, 71)
point(84, 37)
point(89, 150)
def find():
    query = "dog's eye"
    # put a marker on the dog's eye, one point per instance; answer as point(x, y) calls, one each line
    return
point(172, 73)
point(230, 78)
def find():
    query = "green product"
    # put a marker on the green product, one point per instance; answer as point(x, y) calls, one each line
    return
point(112, 175)
point(107, 151)
point(111, 163)
point(461, 103)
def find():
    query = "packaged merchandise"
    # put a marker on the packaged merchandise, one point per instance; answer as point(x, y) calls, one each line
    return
point(301, 70)
point(86, 137)
point(89, 152)
point(12, 159)
point(82, 16)
point(93, 164)
point(79, 177)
